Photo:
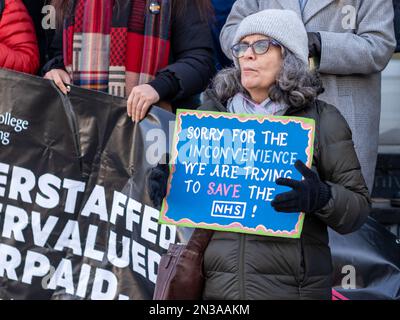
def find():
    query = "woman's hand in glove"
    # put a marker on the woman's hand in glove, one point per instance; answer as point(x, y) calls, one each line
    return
point(157, 183)
point(308, 195)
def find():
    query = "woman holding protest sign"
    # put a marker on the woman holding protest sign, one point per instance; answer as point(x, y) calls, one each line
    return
point(271, 77)
point(350, 42)
point(146, 51)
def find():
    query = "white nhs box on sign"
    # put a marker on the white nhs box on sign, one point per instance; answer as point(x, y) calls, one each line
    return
point(228, 209)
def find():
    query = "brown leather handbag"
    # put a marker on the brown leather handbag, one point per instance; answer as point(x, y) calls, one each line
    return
point(180, 272)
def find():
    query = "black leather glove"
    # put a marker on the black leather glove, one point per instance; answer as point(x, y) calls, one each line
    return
point(308, 195)
point(157, 182)
point(314, 45)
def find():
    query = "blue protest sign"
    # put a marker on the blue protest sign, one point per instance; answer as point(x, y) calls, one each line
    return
point(223, 171)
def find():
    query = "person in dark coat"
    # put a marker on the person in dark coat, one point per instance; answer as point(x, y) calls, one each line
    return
point(271, 77)
point(43, 35)
point(154, 51)
point(396, 4)
point(222, 8)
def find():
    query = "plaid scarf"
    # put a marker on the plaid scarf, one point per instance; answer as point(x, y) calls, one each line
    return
point(114, 45)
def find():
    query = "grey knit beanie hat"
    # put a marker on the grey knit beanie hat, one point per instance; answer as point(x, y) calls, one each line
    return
point(282, 25)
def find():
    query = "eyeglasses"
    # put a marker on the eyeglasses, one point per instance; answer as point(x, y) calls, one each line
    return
point(259, 47)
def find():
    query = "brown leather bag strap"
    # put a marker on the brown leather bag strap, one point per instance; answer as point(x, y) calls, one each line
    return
point(199, 240)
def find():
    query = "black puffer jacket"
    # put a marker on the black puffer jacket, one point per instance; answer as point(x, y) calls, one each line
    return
point(239, 266)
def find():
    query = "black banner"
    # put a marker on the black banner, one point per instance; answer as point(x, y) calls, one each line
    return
point(75, 218)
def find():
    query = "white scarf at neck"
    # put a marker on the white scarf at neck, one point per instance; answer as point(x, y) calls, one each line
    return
point(243, 105)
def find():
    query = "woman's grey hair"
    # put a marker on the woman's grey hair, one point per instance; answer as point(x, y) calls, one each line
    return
point(295, 85)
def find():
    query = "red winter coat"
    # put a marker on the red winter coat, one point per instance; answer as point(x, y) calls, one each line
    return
point(18, 44)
